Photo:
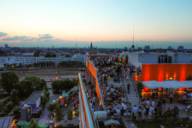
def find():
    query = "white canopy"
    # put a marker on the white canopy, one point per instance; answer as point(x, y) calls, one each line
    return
point(168, 84)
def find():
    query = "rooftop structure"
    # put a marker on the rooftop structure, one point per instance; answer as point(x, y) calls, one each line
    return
point(139, 58)
point(33, 98)
point(5, 122)
point(31, 106)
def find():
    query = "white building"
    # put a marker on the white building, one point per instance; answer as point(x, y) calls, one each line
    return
point(139, 58)
point(25, 60)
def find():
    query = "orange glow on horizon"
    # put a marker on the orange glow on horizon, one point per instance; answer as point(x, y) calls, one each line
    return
point(96, 36)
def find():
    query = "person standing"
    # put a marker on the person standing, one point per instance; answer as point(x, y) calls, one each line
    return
point(128, 88)
point(140, 112)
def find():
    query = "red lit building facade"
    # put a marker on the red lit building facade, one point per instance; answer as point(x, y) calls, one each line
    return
point(92, 70)
point(162, 72)
point(158, 66)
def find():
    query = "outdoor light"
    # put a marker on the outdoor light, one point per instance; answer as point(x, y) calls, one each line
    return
point(73, 113)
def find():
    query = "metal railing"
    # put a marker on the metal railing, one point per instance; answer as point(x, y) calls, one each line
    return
point(91, 123)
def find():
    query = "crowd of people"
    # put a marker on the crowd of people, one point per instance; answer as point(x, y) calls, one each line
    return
point(118, 92)
point(145, 110)
point(109, 75)
point(151, 109)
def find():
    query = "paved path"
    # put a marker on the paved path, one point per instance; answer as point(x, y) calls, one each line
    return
point(44, 118)
point(129, 123)
point(133, 96)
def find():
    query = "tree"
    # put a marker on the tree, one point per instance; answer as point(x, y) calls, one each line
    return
point(140, 87)
point(58, 112)
point(25, 88)
point(45, 97)
point(36, 82)
point(43, 84)
point(56, 86)
point(14, 96)
point(9, 81)
point(55, 107)
point(60, 85)
point(33, 124)
point(16, 112)
point(70, 114)
point(51, 107)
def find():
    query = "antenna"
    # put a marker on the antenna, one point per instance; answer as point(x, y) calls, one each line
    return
point(133, 40)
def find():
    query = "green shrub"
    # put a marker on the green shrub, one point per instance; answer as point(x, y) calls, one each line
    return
point(70, 115)
point(59, 85)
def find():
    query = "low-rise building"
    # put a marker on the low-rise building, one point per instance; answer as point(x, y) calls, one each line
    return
point(5, 122)
point(31, 107)
point(139, 58)
point(29, 59)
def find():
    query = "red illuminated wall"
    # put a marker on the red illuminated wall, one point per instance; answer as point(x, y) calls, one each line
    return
point(91, 69)
point(93, 72)
point(161, 72)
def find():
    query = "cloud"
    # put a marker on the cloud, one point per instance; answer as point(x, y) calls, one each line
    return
point(19, 39)
point(23, 38)
point(2, 34)
point(45, 37)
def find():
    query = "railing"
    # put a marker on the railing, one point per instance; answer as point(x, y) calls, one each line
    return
point(85, 108)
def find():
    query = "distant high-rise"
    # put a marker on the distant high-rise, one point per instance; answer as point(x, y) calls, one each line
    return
point(91, 45)
point(6, 46)
point(133, 40)
point(92, 49)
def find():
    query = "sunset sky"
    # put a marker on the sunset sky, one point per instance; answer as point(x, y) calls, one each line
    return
point(95, 20)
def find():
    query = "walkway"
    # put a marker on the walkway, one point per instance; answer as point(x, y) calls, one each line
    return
point(129, 123)
point(44, 118)
point(133, 96)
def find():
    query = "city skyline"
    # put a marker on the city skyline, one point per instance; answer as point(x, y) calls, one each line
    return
point(48, 23)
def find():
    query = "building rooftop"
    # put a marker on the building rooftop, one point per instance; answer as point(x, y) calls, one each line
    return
point(5, 122)
point(33, 97)
point(168, 84)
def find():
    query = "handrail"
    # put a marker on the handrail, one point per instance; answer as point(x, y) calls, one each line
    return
point(90, 119)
